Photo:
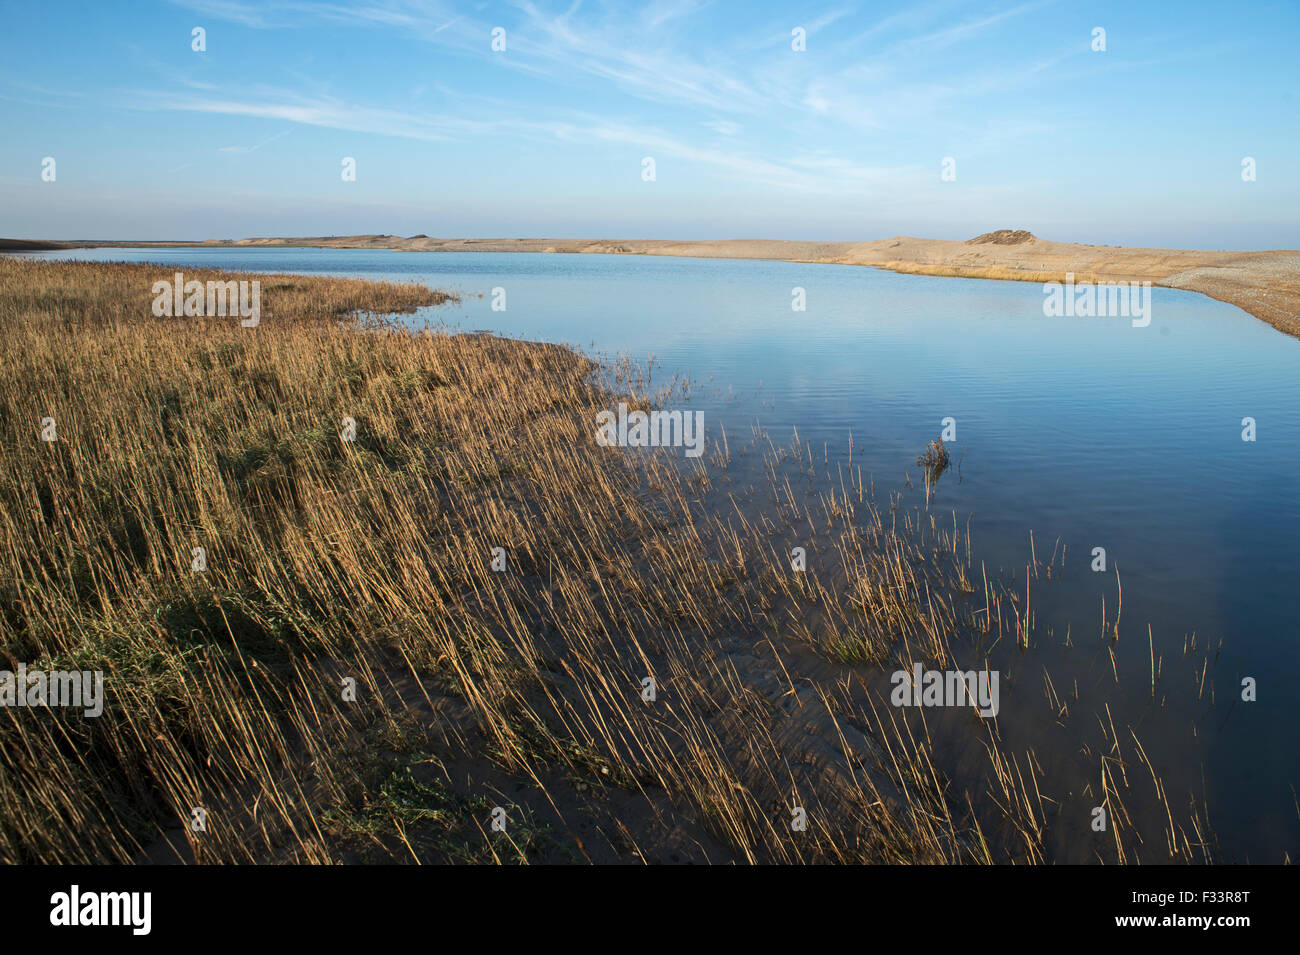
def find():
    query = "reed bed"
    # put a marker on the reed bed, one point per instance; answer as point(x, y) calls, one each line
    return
point(456, 612)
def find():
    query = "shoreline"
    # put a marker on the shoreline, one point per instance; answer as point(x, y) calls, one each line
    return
point(467, 584)
point(457, 580)
point(1265, 284)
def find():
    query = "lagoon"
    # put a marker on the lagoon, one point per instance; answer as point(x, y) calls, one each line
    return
point(1085, 432)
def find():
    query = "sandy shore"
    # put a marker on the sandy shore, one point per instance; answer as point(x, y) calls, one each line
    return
point(1264, 284)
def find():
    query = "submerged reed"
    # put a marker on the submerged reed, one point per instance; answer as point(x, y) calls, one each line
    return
point(427, 594)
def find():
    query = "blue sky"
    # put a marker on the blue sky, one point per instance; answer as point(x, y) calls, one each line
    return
point(1140, 144)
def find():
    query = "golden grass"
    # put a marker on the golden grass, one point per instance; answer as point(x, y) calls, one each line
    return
point(998, 272)
point(108, 293)
point(371, 560)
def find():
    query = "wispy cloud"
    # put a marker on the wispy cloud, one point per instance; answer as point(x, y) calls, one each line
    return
point(724, 126)
point(575, 128)
point(727, 84)
point(255, 147)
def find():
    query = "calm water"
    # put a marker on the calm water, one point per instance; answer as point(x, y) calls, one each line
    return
point(1085, 430)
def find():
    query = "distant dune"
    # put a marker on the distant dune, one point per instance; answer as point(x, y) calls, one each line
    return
point(1265, 284)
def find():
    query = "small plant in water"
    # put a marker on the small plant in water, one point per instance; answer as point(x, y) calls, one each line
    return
point(934, 461)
